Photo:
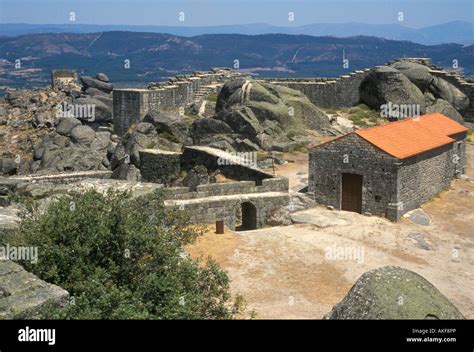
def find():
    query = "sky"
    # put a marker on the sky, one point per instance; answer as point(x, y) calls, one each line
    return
point(417, 13)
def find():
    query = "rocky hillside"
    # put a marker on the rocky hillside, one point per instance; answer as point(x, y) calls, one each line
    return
point(250, 116)
point(61, 129)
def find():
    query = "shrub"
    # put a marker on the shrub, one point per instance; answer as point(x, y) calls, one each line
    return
point(123, 258)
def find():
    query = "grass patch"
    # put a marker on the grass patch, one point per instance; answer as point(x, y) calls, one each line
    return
point(212, 97)
point(168, 136)
point(362, 116)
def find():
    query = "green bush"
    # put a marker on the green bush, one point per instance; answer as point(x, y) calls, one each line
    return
point(123, 258)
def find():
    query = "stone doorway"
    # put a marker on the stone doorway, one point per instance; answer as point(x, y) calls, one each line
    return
point(246, 217)
point(351, 197)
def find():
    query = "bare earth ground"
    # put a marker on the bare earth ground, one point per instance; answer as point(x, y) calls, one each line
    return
point(282, 272)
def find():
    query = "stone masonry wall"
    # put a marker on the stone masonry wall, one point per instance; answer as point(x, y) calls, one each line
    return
point(207, 156)
point(159, 166)
point(391, 187)
point(131, 105)
point(423, 176)
point(329, 93)
point(63, 75)
point(217, 201)
point(210, 209)
point(352, 154)
point(279, 184)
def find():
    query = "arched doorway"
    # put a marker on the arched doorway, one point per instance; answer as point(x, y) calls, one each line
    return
point(246, 217)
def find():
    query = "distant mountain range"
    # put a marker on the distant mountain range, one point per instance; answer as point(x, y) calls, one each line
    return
point(460, 32)
point(155, 56)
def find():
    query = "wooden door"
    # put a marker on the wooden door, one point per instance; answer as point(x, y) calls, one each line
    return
point(351, 193)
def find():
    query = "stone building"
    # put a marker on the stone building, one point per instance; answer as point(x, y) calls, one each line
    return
point(390, 169)
point(246, 201)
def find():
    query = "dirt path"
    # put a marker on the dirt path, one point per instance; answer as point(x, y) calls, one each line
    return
point(285, 272)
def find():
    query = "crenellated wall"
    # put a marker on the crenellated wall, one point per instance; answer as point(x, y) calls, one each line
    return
point(131, 105)
point(328, 93)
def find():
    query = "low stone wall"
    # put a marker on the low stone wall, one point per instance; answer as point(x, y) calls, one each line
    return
point(10, 185)
point(61, 177)
point(228, 188)
point(209, 210)
point(159, 166)
point(214, 159)
point(217, 201)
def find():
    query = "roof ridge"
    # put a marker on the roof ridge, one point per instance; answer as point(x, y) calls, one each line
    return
point(411, 136)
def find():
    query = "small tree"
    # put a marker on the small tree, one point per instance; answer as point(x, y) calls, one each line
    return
point(122, 258)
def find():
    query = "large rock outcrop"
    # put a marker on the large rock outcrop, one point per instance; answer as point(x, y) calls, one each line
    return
point(386, 85)
point(169, 124)
point(409, 83)
point(72, 147)
point(62, 128)
point(23, 295)
point(255, 115)
point(420, 75)
point(394, 293)
point(443, 107)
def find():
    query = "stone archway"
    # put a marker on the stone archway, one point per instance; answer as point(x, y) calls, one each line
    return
point(246, 217)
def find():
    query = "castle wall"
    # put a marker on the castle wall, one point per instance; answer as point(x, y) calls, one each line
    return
point(328, 93)
point(131, 105)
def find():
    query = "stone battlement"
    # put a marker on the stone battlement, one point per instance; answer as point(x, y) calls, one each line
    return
point(131, 105)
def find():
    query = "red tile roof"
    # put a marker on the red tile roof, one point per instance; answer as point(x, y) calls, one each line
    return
point(405, 138)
